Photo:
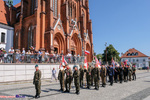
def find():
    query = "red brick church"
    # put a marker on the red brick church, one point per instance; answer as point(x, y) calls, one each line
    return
point(54, 25)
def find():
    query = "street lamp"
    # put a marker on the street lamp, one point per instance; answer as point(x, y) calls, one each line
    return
point(106, 51)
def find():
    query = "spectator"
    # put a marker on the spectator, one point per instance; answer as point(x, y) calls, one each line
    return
point(47, 56)
point(54, 74)
point(23, 54)
point(32, 56)
point(40, 56)
point(1, 55)
point(5, 57)
point(11, 51)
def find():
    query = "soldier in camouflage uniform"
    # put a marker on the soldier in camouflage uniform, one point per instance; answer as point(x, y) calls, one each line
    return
point(69, 77)
point(76, 76)
point(133, 73)
point(92, 78)
point(37, 81)
point(130, 72)
point(88, 77)
point(103, 75)
point(96, 75)
point(61, 76)
point(81, 75)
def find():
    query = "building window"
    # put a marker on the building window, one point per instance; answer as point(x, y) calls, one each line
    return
point(30, 37)
point(137, 60)
point(143, 60)
point(55, 8)
point(2, 37)
point(133, 60)
point(33, 5)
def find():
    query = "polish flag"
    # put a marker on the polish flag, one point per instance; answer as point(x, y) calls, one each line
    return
point(85, 64)
point(97, 62)
point(113, 62)
point(87, 52)
point(63, 62)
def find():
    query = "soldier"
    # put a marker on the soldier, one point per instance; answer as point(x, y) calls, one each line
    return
point(96, 75)
point(103, 75)
point(69, 77)
point(130, 72)
point(88, 77)
point(81, 75)
point(116, 74)
point(61, 76)
point(120, 74)
point(133, 73)
point(111, 74)
point(92, 78)
point(37, 81)
point(125, 72)
point(76, 76)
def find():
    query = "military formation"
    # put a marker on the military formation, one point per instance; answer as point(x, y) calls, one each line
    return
point(93, 74)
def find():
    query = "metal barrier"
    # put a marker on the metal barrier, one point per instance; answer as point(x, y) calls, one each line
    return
point(35, 58)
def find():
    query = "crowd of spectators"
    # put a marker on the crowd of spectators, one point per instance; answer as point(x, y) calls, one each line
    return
point(34, 56)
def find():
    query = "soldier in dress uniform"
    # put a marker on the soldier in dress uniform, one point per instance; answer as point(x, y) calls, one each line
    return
point(111, 74)
point(81, 75)
point(76, 76)
point(92, 77)
point(96, 75)
point(116, 73)
point(68, 80)
point(120, 74)
point(37, 81)
point(61, 78)
point(103, 75)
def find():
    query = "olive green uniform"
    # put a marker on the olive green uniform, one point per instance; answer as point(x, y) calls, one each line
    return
point(92, 78)
point(96, 75)
point(88, 77)
point(61, 76)
point(103, 76)
point(81, 76)
point(37, 81)
point(76, 76)
point(133, 73)
point(130, 73)
point(68, 80)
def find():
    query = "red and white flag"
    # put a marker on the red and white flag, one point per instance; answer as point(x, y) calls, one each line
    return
point(87, 52)
point(85, 64)
point(97, 62)
point(113, 62)
point(63, 62)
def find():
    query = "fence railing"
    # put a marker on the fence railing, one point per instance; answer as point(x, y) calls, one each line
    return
point(35, 58)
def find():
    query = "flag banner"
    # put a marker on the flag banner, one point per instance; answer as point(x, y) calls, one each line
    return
point(113, 62)
point(85, 63)
point(87, 52)
point(97, 62)
point(63, 62)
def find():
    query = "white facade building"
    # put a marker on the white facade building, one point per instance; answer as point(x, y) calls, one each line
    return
point(6, 37)
point(136, 57)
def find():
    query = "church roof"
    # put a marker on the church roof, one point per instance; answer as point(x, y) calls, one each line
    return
point(133, 53)
point(4, 13)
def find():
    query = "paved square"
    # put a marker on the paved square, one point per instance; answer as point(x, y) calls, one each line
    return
point(135, 90)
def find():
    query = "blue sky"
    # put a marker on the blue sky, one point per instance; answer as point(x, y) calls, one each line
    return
point(123, 23)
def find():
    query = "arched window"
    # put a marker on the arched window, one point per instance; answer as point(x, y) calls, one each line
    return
point(30, 36)
point(55, 8)
point(83, 18)
point(68, 9)
point(16, 43)
point(33, 5)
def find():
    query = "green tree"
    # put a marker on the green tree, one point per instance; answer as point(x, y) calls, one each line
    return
point(99, 56)
point(111, 53)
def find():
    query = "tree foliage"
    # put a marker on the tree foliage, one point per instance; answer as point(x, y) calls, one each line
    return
point(111, 53)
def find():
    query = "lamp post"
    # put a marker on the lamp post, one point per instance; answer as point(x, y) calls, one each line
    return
point(106, 51)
